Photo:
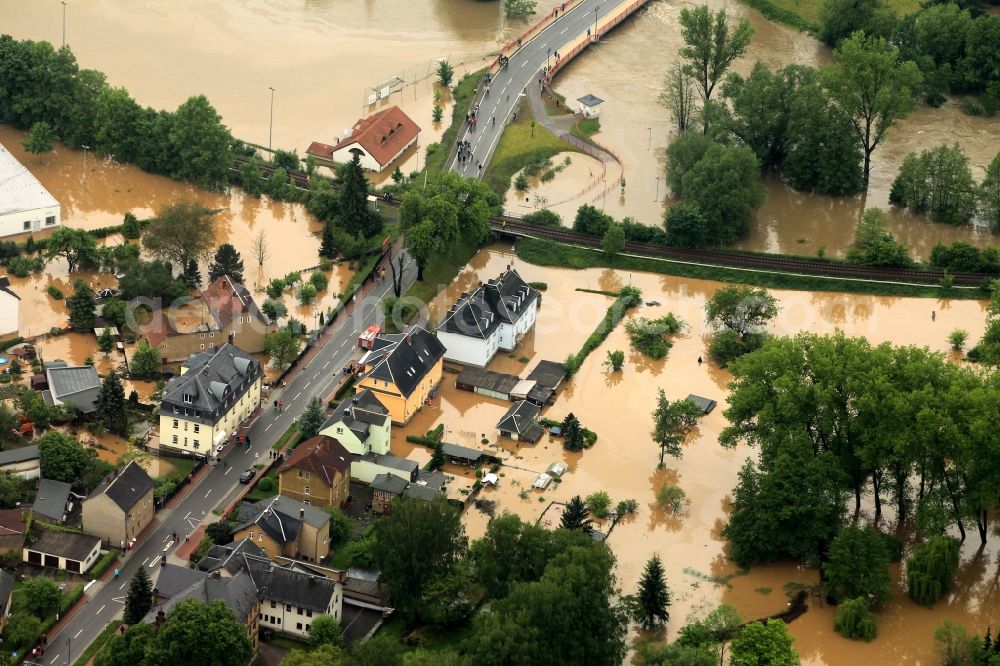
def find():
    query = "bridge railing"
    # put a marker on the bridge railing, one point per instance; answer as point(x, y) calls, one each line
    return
point(537, 27)
point(600, 30)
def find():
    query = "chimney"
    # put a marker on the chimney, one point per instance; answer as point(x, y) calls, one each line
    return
point(302, 514)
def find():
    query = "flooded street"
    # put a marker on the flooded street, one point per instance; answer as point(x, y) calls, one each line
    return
point(617, 406)
point(626, 70)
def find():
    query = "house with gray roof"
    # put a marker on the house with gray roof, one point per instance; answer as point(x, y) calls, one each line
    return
point(121, 507)
point(386, 488)
point(76, 385)
point(291, 599)
point(51, 500)
point(174, 579)
point(228, 558)
point(403, 370)
point(365, 468)
point(519, 423)
point(72, 551)
point(495, 316)
point(215, 394)
point(284, 528)
point(24, 461)
point(360, 423)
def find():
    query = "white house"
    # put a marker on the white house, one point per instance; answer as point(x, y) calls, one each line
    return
point(494, 316)
point(377, 140)
point(361, 424)
point(25, 206)
point(10, 309)
point(589, 104)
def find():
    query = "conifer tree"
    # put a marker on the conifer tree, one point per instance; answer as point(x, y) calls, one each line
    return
point(105, 341)
point(572, 433)
point(652, 598)
point(575, 516)
point(110, 405)
point(312, 419)
point(81, 306)
point(437, 458)
point(139, 599)
point(227, 261)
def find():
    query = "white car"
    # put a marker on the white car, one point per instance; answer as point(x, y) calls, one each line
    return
point(218, 449)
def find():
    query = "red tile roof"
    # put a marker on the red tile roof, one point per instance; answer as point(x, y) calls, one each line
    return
point(382, 135)
point(322, 455)
point(11, 522)
point(225, 300)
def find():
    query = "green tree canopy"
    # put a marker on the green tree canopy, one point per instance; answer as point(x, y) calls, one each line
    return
point(197, 634)
point(761, 643)
point(110, 405)
point(711, 44)
point(62, 457)
point(614, 240)
point(839, 19)
point(41, 596)
point(652, 599)
point(988, 195)
point(937, 182)
point(227, 261)
point(139, 599)
point(312, 418)
point(741, 309)
point(685, 226)
point(858, 566)
point(201, 145)
point(670, 420)
point(325, 630)
point(282, 346)
point(181, 231)
point(353, 213)
point(77, 246)
point(725, 186)
point(39, 139)
point(82, 307)
point(146, 362)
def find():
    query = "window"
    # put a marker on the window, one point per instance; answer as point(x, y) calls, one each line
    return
point(211, 344)
point(306, 490)
point(241, 320)
point(307, 627)
point(260, 537)
point(176, 425)
point(188, 398)
point(340, 430)
point(196, 443)
point(27, 225)
point(202, 337)
point(185, 441)
point(288, 608)
point(303, 474)
point(298, 625)
point(197, 427)
point(309, 613)
point(202, 346)
point(305, 501)
point(50, 220)
point(175, 439)
point(273, 605)
point(185, 426)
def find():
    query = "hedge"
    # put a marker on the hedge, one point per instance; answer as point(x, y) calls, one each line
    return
point(103, 562)
point(628, 298)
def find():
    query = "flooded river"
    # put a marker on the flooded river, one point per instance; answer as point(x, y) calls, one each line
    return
point(617, 406)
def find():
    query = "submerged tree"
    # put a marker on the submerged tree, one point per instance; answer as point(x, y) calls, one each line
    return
point(575, 515)
point(227, 261)
point(679, 97)
point(711, 44)
point(670, 423)
point(652, 599)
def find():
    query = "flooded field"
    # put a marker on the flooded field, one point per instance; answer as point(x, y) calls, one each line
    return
point(623, 461)
point(626, 70)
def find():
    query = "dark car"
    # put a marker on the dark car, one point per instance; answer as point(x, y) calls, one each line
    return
point(247, 476)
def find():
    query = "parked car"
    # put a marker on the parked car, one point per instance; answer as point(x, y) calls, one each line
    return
point(247, 476)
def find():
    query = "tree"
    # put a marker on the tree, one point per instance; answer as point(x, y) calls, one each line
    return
point(711, 44)
point(614, 240)
point(139, 598)
point(839, 19)
point(354, 215)
point(422, 243)
point(259, 248)
point(219, 532)
point(670, 422)
point(519, 9)
point(41, 596)
point(13, 489)
point(23, 629)
point(105, 341)
point(957, 338)
point(615, 360)
point(599, 504)
point(146, 362)
point(858, 566)
point(982, 51)
point(742, 309)
point(988, 195)
point(725, 187)
point(589, 627)
point(953, 645)
point(274, 310)
point(445, 72)
point(227, 261)
point(181, 231)
point(110, 405)
point(200, 144)
point(652, 598)
point(192, 275)
point(874, 245)
point(287, 160)
point(199, 634)
point(76, 246)
point(412, 545)
point(855, 620)
point(150, 279)
point(282, 346)
point(312, 418)
point(575, 515)
point(931, 569)
point(33, 406)
point(131, 227)
point(761, 643)
point(318, 280)
point(873, 88)
point(307, 294)
point(328, 241)
point(937, 182)
point(718, 628)
point(62, 457)
point(39, 139)
point(678, 96)
point(682, 154)
point(686, 226)
point(325, 630)
point(126, 649)
point(437, 457)
point(653, 653)
point(572, 433)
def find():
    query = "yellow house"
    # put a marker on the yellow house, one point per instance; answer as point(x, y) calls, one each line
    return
point(316, 473)
point(216, 392)
point(282, 527)
point(403, 371)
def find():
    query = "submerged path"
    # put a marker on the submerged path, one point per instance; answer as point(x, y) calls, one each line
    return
point(532, 60)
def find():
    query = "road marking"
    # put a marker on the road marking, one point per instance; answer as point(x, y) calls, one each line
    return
point(564, 31)
point(297, 396)
point(54, 659)
point(153, 563)
point(206, 496)
point(228, 470)
point(144, 561)
point(269, 426)
point(99, 610)
point(77, 635)
point(307, 384)
point(316, 375)
point(122, 587)
point(326, 364)
point(524, 64)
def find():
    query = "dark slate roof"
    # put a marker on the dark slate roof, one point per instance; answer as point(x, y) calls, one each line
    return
point(486, 379)
point(6, 587)
point(279, 517)
point(213, 381)
point(590, 100)
point(238, 593)
point(51, 499)
point(126, 488)
point(11, 456)
point(463, 452)
point(431, 479)
point(174, 579)
point(540, 394)
point(519, 417)
point(288, 585)
point(388, 460)
point(321, 455)
point(71, 545)
point(358, 412)
point(5, 286)
point(706, 405)
point(407, 359)
point(78, 385)
point(228, 556)
point(501, 300)
point(426, 493)
point(548, 373)
point(389, 483)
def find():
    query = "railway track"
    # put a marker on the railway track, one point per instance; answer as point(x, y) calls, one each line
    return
point(299, 178)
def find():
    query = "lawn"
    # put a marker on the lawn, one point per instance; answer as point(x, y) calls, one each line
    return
point(441, 271)
point(432, 639)
point(180, 466)
point(70, 595)
point(290, 437)
point(804, 14)
point(462, 95)
point(257, 493)
point(98, 643)
point(523, 142)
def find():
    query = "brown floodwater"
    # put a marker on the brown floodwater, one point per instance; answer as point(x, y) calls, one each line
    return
point(626, 70)
point(617, 406)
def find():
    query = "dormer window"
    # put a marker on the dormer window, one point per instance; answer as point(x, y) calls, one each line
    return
point(188, 398)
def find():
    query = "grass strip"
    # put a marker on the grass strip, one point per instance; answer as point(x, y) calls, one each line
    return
point(628, 298)
point(522, 143)
point(98, 643)
point(462, 95)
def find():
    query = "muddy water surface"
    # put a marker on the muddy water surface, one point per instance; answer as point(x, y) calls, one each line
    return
point(626, 70)
point(623, 462)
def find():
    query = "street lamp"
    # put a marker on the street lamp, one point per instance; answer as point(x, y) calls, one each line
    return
point(85, 149)
point(649, 142)
point(270, 125)
point(596, 36)
point(547, 56)
point(657, 197)
point(64, 22)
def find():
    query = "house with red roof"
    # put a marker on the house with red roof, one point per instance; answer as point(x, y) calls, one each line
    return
point(377, 140)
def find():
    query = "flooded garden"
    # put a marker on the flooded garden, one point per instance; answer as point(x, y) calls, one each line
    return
point(623, 462)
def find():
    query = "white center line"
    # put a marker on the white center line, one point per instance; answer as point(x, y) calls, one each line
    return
point(206, 495)
point(123, 586)
point(228, 470)
point(102, 607)
point(307, 384)
point(297, 395)
point(145, 560)
point(268, 426)
point(78, 634)
point(326, 364)
point(54, 659)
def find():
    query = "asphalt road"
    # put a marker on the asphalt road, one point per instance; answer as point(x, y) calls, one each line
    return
point(523, 69)
point(106, 600)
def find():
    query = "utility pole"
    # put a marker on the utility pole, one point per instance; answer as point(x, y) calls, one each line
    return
point(64, 22)
point(649, 142)
point(596, 36)
point(270, 126)
point(85, 149)
point(657, 197)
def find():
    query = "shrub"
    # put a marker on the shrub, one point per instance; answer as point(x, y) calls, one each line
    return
point(931, 568)
point(957, 339)
point(628, 297)
point(648, 335)
point(539, 286)
point(318, 280)
point(973, 107)
point(266, 484)
point(855, 620)
point(521, 182)
point(599, 504)
point(54, 292)
point(275, 288)
point(307, 293)
point(626, 507)
point(544, 218)
point(672, 498)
